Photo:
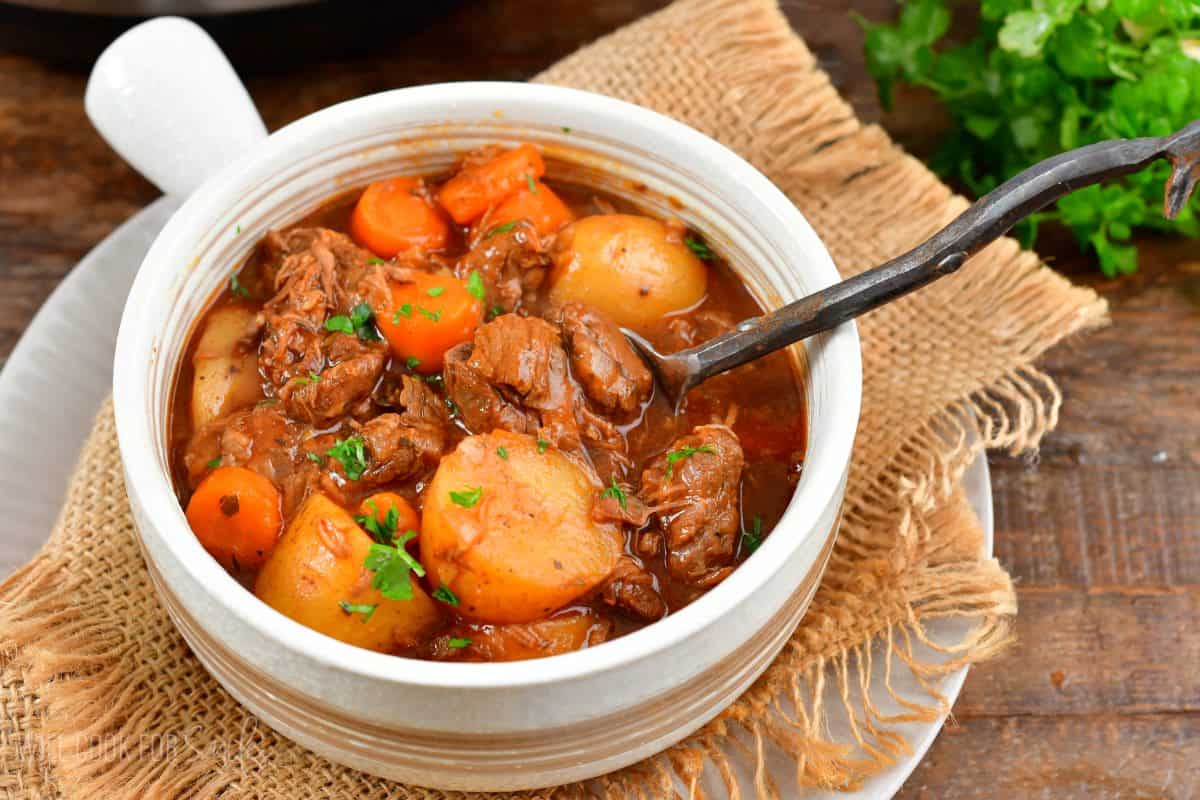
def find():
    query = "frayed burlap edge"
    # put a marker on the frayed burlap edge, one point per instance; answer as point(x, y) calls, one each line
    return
point(903, 556)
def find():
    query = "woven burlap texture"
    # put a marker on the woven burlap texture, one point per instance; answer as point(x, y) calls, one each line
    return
point(102, 699)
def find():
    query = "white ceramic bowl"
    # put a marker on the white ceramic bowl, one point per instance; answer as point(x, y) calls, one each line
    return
point(458, 725)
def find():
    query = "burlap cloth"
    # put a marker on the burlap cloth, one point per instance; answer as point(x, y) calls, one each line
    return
point(101, 699)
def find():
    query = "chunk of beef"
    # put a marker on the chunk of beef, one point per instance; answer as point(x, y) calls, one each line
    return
point(634, 590)
point(612, 375)
point(696, 486)
point(512, 264)
point(261, 438)
point(398, 445)
point(319, 269)
point(515, 368)
point(634, 512)
point(352, 369)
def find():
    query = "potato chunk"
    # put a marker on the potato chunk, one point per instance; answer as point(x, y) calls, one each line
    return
point(633, 269)
point(317, 566)
point(224, 379)
point(509, 529)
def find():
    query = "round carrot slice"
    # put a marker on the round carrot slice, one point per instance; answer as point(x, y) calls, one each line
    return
point(235, 514)
point(392, 215)
point(427, 316)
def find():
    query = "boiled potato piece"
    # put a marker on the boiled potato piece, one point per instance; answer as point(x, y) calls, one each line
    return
point(224, 380)
point(510, 531)
point(633, 269)
point(318, 564)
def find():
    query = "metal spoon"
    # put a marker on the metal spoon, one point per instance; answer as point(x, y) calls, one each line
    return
point(987, 220)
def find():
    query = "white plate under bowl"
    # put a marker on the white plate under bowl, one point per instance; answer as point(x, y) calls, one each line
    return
point(61, 370)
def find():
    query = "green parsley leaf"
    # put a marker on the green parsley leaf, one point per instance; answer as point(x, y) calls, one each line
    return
point(435, 291)
point(617, 492)
point(404, 311)
point(529, 182)
point(340, 324)
point(505, 228)
point(364, 609)
point(392, 565)
point(236, 287)
point(313, 377)
point(494, 312)
point(216, 462)
point(270, 401)
point(351, 453)
point(698, 247)
point(432, 316)
point(375, 260)
point(382, 529)
point(238, 228)
point(475, 285)
point(459, 642)
point(467, 498)
point(676, 456)
point(360, 322)
point(752, 538)
point(542, 445)
point(313, 457)
point(566, 129)
point(412, 362)
point(443, 594)
point(500, 451)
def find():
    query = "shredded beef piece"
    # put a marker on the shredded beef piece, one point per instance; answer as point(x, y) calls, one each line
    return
point(699, 498)
point(515, 377)
point(352, 370)
point(512, 264)
point(697, 328)
point(634, 590)
point(317, 278)
point(261, 438)
point(634, 512)
point(612, 375)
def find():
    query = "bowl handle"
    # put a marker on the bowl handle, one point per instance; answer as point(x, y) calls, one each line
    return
point(167, 99)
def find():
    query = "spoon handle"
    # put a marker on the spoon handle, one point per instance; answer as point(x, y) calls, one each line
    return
point(986, 220)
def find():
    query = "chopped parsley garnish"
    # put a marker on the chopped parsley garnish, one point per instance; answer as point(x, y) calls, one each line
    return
point(375, 260)
point(313, 377)
point(468, 497)
point(697, 246)
point(216, 462)
point(435, 379)
point(459, 642)
point(529, 182)
point(412, 362)
point(494, 312)
point(500, 451)
point(238, 227)
point(313, 457)
point(404, 311)
point(452, 407)
point(475, 285)
point(270, 401)
point(236, 287)
point(384, 530)
point(360, 322)
point(752, 538)
point(505, 228)
point(443, 594)
point(432, 316)
point(617, 492)
point(679, 455)
point(435, 291)
point(357, 608)
point(392, 565)
point(542, 445)
point(566, 129)
point(351, 452)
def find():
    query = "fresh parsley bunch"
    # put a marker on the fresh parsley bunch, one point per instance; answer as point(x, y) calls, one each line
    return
point(1043, 76)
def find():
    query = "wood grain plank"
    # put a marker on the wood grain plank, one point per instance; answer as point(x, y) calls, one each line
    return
point(1096, 652)
point(1068, 758)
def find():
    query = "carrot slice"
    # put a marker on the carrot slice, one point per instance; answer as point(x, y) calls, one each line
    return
point(477, 188)
point(535, 202)
point(392, 216)
point(428, 316)
point(235, 515)
point(380, 504)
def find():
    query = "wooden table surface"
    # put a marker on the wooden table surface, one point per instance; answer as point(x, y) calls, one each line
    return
point(1101, 697)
